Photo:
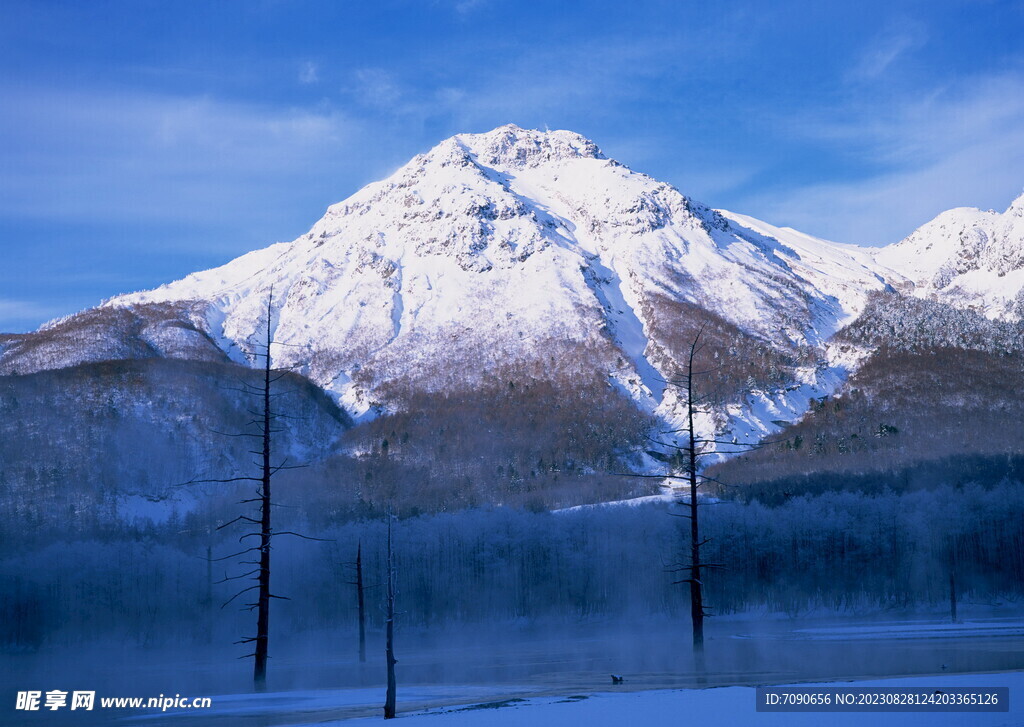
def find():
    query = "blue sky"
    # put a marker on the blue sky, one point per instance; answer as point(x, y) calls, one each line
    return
point(141, 140)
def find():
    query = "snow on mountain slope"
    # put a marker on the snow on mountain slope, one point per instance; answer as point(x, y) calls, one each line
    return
point(844, 273)
point(507, 248)
point(965, 257)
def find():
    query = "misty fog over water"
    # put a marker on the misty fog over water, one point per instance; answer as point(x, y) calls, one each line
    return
point(557, 659)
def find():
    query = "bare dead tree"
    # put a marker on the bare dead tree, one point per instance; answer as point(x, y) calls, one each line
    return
point(208, 596)
point(952, 564)
point(692, 453)
point(357, 565)
point(685, 466)
point(262, 638)
point(264, 421)
point(389, 647)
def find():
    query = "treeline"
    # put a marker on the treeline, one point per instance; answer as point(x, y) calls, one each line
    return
point(849, 552)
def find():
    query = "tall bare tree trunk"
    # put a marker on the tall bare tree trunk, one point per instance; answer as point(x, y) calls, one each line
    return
point(362, 603)
point(696, 585)
point(389, 649)
point(261, 570)
point(952, 580)
point(687, 469)
point(263, 601)
point(208, 600)
point(209, 591)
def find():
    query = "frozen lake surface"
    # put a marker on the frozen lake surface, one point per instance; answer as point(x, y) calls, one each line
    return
point(556, 671)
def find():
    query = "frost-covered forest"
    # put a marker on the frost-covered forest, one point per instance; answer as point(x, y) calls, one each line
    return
point(906, 323)
point(848, 552)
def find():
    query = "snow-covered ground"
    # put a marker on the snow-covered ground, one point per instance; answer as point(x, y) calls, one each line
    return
point(722, 706)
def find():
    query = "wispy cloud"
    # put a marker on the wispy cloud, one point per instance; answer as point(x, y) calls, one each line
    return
point(19, 315)
point(309, 73)
point(104, 156)
point(569, 80)
point(465, 6)
point(170, 148)
point(462, 7)
point(887, 47)
point(957, 146)
point(377, 88)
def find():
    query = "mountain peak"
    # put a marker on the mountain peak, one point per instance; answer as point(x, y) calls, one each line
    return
point(513, 146)
point(1016, 207)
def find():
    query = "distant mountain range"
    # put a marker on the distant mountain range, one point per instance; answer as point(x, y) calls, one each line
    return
point(521, 258)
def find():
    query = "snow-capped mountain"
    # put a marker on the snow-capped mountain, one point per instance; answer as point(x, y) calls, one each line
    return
point(532, 251)
point(502, 247)
point(967, 257)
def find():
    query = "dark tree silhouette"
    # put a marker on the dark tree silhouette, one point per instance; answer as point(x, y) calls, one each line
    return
point(951, 554)
point(264, 421)
point(357, 565)
point(685, 465)
point(389, 647)
point(690, 452)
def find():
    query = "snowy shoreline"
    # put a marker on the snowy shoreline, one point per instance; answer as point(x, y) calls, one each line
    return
point(499, 706)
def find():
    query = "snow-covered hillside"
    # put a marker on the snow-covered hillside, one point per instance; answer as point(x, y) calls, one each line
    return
point(966, 257)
